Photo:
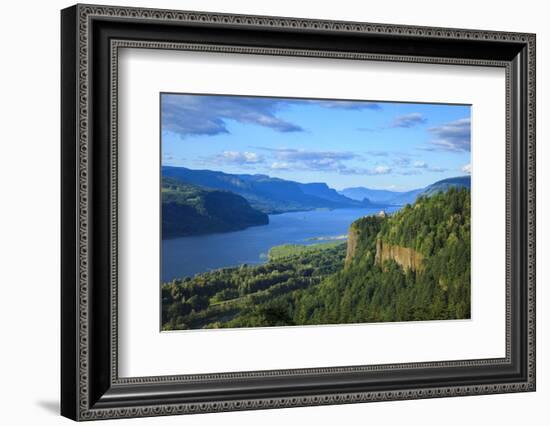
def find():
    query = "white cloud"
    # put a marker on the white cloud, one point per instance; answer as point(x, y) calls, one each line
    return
point(453, 136)
point(236, 157)
point(408, 120)
point(301, 159)
point(280, 165)
point(381, 170)
point(467, 168)
point(208, 115)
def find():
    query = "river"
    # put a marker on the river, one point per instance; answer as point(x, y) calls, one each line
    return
point(187, 256)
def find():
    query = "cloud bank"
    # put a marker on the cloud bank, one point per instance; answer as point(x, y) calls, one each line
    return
point(207, 115)
point(453, 136)
point(408, 120)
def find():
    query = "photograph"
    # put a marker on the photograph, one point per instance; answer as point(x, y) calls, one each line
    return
point(279, 211)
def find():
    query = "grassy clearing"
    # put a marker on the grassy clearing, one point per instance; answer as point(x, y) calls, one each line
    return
point(286, 250)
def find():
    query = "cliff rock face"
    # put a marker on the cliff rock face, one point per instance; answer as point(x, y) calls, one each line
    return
point(353, 238)
point(406, 257)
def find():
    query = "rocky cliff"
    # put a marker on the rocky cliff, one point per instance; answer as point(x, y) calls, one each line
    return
point(406, 257)
point(362, 238)
point(353, 238)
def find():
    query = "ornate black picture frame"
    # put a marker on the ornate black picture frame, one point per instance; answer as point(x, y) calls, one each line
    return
point(91, 36)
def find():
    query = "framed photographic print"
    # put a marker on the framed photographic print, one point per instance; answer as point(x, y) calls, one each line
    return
point(263, 212)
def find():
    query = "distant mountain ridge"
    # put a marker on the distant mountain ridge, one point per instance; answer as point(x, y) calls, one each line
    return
point(408, 197)
point(268, 194)
point(445, 184)
point(359, 193)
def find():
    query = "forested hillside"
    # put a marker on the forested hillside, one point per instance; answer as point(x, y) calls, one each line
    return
point(249, 296)
point(189, 210)
point(370, 289)
point(369, 281)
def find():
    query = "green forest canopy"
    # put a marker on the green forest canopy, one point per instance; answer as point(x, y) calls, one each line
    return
point(300, 286)
point(190, 210)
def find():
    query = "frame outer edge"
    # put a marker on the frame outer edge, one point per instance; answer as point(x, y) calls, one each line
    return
point(531, 200)
point(83, 61)
point(69, 221)
point(81, 318)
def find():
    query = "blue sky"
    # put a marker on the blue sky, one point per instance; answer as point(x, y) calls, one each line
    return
point(386, 145)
